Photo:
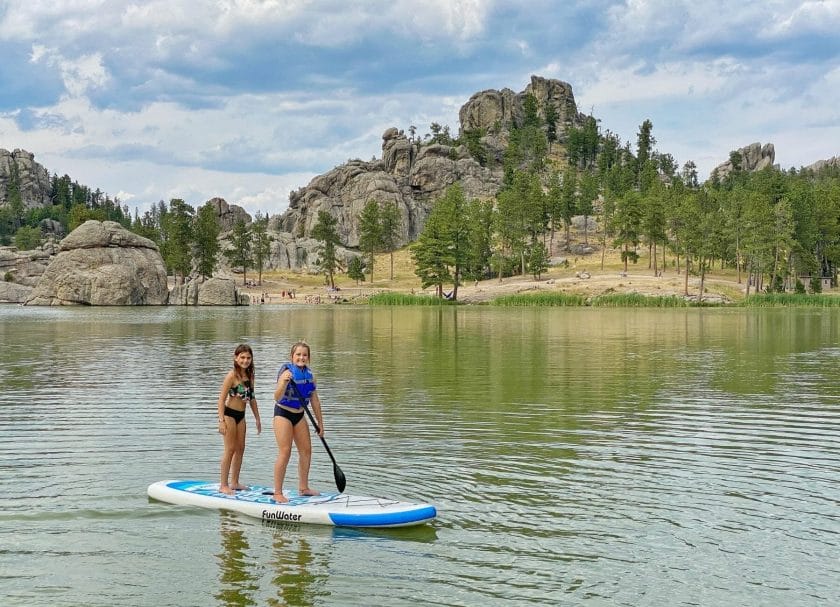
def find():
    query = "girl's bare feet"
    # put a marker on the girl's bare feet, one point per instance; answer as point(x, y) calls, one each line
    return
point(280, 498)
point(308, 492)
point(226, 489)
point(239, 487)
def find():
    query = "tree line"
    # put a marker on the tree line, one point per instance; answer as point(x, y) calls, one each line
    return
point(189, 240)
point(380, 226)
point(71, 205)
point(780, 230)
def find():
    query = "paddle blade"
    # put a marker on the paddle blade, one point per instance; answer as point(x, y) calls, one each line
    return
point(340, 481)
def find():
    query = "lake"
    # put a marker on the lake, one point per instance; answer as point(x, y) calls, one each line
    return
point(576, 456)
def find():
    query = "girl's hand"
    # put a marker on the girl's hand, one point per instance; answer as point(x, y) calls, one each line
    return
point(223, 426)
point(259, 426)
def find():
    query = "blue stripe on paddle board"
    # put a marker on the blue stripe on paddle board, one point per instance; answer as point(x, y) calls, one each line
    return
point(185, 485)
point(384, 519)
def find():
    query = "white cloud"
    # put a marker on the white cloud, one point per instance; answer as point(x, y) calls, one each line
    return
point(634, 84)
point(821, 16)
point(79, 75)
point(161, 99)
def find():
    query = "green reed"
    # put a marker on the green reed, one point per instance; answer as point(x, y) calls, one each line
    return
point(778, 300)
point(406, 299)
point(637, 300)
point(540, 299)
point(611, 300)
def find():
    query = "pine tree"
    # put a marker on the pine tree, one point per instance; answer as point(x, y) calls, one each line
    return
point(537, 259)
point(262, 243)
point(356, 269)
point(370, 233)
point(240, 255)
point(325, 231)
point(206, 231)
point(391, 222)
point(177, 248)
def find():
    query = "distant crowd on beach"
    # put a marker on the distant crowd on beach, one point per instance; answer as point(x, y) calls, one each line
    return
point(333, 295)
point(267, 297)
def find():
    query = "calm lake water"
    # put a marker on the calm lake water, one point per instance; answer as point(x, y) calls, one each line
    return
point(576, 456)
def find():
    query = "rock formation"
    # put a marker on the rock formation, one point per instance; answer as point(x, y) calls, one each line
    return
point(12, 292)
point(103, 264)
point(25, 267)
point(409, 175)
point(414, 174)
point(33, 180)
point(495, 112)
point(210, 292)
point(228, 214)
point(833, 162)
point(754, 157)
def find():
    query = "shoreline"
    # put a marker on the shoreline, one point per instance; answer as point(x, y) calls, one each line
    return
point(588, 284)
point(581, 275)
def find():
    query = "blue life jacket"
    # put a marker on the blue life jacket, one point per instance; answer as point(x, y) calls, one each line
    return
point(305, 386)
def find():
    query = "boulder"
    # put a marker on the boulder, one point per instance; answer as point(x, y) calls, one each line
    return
point(12, 292)
point(208, 292)
point(103, 264)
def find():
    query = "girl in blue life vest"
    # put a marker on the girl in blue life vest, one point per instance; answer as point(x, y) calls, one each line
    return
point(295, 390)
point(236, 394)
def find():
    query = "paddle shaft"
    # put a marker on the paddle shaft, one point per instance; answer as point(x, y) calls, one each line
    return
point(340, 479)
point(318, 432)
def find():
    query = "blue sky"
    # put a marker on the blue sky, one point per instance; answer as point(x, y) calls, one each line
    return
point(250, 99)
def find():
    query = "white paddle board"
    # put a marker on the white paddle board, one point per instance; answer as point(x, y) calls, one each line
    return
point(337, 509)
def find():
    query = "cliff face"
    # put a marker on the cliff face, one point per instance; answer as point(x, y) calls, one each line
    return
point(414, 174)
point(33, 180)
point(409, 174)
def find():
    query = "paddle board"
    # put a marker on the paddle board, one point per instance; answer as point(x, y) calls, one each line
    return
point(337, 509)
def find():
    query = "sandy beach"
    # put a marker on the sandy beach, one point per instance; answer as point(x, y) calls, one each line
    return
point(584, 277)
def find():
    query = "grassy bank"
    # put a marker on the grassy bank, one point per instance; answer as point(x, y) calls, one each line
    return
point(577, 281)
point(781, 300)
point(612, 300)
point(407, 299)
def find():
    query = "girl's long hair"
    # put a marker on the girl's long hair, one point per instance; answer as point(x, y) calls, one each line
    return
point(250, 370)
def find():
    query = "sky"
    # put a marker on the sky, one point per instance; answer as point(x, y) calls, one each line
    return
point(249, 100)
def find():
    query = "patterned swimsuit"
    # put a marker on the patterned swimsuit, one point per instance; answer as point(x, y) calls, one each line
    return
point(243, 391)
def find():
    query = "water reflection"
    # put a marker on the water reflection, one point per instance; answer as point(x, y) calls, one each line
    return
point(236, 574)
point(621, 457)
point(300, 573)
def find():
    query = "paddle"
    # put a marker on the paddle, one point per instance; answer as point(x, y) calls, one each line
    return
point(340, 480)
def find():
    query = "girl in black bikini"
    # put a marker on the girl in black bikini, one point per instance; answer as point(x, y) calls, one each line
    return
point(236, 393)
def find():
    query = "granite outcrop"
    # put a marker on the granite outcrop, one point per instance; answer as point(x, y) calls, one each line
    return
point(413, 173)
point(103, 264)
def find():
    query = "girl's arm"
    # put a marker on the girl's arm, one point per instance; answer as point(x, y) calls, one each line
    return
point(254, 407)
point(315, 401)
point(223, 392)
point(282, 382)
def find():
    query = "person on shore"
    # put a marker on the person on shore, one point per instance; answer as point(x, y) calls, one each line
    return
point(236, 393)
point(295, 390)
